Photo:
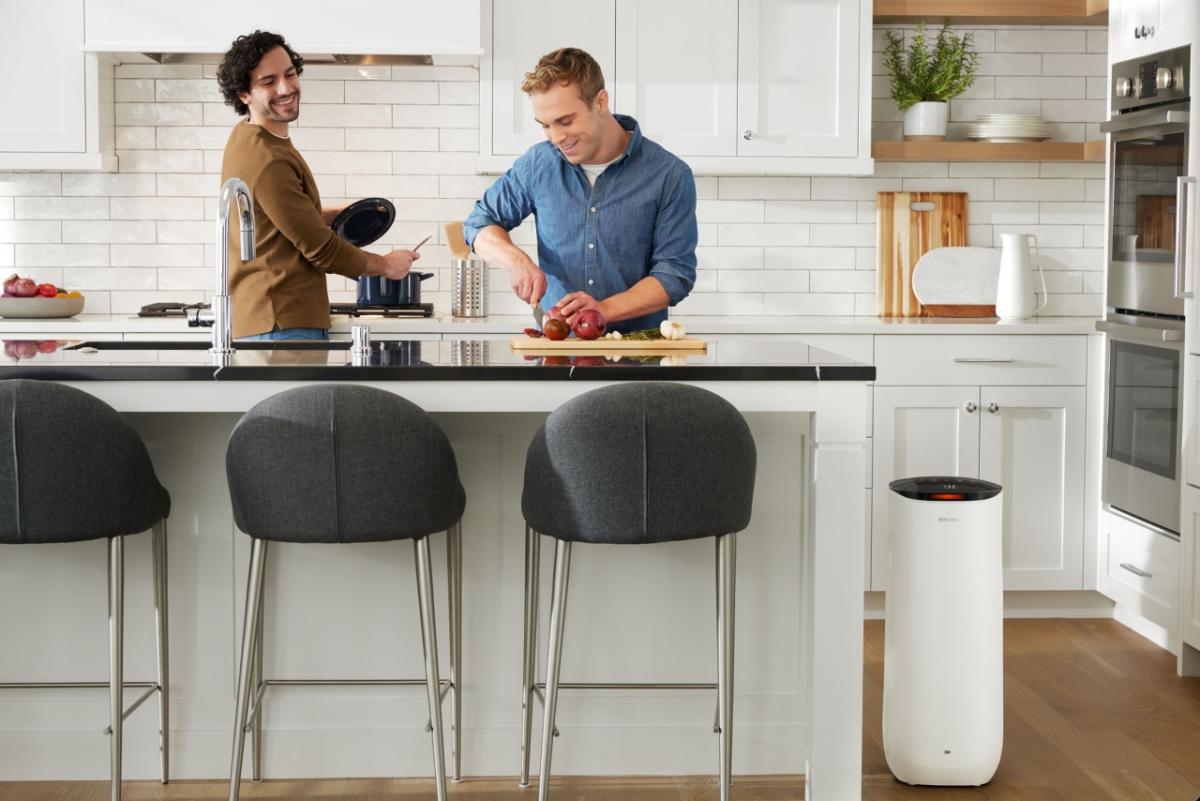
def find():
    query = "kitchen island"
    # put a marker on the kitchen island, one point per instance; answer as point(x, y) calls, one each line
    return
point(350, 611)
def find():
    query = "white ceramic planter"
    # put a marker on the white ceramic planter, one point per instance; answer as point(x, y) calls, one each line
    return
point(926, 121)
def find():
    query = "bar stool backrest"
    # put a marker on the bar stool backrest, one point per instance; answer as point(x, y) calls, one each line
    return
point(640, 463)
point(71, 468)
point(341, 463)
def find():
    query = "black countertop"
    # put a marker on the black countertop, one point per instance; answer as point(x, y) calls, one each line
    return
point(727, 359)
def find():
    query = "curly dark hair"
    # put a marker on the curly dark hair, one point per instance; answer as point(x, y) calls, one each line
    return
point(233, 76)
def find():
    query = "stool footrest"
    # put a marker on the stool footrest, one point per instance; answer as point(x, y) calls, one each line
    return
point(446, 686)
point(636, 685)
point(151, 687)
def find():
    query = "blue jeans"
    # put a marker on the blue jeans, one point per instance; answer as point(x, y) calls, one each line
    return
point(291, 333)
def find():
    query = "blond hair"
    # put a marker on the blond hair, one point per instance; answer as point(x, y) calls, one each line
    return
point(565, 66)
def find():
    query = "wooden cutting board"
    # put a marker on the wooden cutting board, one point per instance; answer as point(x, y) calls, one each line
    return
point(907, 226)
point(573, 345)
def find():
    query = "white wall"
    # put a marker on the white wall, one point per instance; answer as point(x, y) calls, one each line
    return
point(767, 245)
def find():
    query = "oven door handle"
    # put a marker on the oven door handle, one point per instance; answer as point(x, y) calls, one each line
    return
point(1144, 119)
point(1182, 218)
point(1137, 333)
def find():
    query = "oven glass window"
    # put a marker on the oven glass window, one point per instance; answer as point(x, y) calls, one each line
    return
point(1143, 211)
point(1143, 407)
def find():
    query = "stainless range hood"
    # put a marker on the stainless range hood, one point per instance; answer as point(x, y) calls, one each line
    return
point(352, 59)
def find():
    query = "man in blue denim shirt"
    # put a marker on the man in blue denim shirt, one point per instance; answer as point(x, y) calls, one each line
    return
point(615, 212)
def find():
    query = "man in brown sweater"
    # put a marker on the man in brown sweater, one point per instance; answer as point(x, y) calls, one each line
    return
point(281, 292)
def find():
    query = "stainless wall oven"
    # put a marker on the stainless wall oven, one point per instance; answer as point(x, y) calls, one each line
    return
point(1149, 233)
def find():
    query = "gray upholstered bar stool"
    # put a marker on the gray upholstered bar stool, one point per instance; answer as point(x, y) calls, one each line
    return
point(74, 470)
point(633, 464)
point(306, 466)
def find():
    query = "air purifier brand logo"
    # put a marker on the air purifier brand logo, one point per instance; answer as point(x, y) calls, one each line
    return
point(947, 519)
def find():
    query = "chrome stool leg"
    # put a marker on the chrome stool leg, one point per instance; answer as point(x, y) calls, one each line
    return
point(558, 610)
point(454, 574)
point(256, 687)
point(116, 637)
point(432, 681)
point(159, 545)
point(726, 572)
point(529, 647)
point(254, 583)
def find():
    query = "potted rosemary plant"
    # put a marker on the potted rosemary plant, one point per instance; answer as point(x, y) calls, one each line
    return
point(924, 79)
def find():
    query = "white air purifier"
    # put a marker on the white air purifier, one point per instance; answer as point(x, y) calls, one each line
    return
point(943, 668)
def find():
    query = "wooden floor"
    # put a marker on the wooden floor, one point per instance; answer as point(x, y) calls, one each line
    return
point(1092, 712)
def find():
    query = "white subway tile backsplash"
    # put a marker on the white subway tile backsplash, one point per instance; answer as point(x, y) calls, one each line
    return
point(392, 186)
point(729, 211)
point(1074, 306)
point(159, 113)
point(158, 255)
point(88, 278)
point(58, 255)
point(110, 231)
point(768, 245)
point(418, 92)
point(1025, 40)
point(386, 139)
point(59, 208)
point(157, 208)
point(24, 184)
point(30, 231)
point(190, 90)
point(435, 117)
point(1039, 189)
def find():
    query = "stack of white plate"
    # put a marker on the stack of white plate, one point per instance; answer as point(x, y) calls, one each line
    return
point(1009, 128)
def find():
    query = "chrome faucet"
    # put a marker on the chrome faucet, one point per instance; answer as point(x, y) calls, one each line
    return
point(234, 190)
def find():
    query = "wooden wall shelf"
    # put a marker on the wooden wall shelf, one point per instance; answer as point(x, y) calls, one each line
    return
point(995, 12)
point(988, 151)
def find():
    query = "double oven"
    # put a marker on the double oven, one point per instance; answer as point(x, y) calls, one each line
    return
point(1150, 239)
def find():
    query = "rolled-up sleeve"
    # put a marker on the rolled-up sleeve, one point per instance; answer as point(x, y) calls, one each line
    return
point(506, 203)
point(673, 252)
point(280, 194)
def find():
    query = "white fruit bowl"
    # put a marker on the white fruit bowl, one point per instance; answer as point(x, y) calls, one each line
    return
point(40, 307)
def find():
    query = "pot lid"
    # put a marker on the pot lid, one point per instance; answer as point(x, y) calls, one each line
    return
point(364, 221)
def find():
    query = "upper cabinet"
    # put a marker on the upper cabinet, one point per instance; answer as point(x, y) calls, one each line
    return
point(1141, 27)
point(58, 111)
point(521, 31)
point(760, 87)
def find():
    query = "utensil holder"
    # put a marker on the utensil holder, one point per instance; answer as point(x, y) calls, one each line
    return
point(468, 352)
point(469, 296)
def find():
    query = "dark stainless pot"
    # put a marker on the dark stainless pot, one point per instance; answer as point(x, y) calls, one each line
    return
point(375, 290)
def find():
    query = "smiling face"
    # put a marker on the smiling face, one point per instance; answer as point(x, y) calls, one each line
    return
point(274, 96)
point(570, 124)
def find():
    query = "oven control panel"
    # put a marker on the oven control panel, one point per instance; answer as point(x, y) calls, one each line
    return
point(1151, 80)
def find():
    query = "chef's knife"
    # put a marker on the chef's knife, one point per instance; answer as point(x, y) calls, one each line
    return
point(537, 314)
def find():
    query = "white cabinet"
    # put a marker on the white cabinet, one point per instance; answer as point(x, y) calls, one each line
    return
point(54, 116)
point(749, 87)
point(1189, 616)
point(688, 105)
point(521, 32)
point(1139, 569)
point(1020, 429)
point(798, 78)
point(1141, 27)
point(1030, 440)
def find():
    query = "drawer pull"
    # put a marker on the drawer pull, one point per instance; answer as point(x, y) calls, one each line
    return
point(1137, 571)
point(981, 360)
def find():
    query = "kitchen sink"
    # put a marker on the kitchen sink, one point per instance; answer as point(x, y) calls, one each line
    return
point(203, 344)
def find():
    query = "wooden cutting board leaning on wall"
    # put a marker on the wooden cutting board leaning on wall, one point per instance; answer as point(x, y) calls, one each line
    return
point(907, 226)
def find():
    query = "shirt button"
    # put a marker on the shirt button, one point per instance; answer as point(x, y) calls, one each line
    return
point(593, 209)
point(591, 281)
point(591, 246)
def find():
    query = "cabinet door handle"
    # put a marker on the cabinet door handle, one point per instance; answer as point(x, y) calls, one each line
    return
point(993, 407)
point(971, 407)
point(748, 135)
point(981, 360)
point(1137, 571)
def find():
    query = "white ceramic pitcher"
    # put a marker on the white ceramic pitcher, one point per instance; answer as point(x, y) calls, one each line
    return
point(1016, 292)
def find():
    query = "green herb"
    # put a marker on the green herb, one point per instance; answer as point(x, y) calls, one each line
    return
point(643, 334)
point(920, 76)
